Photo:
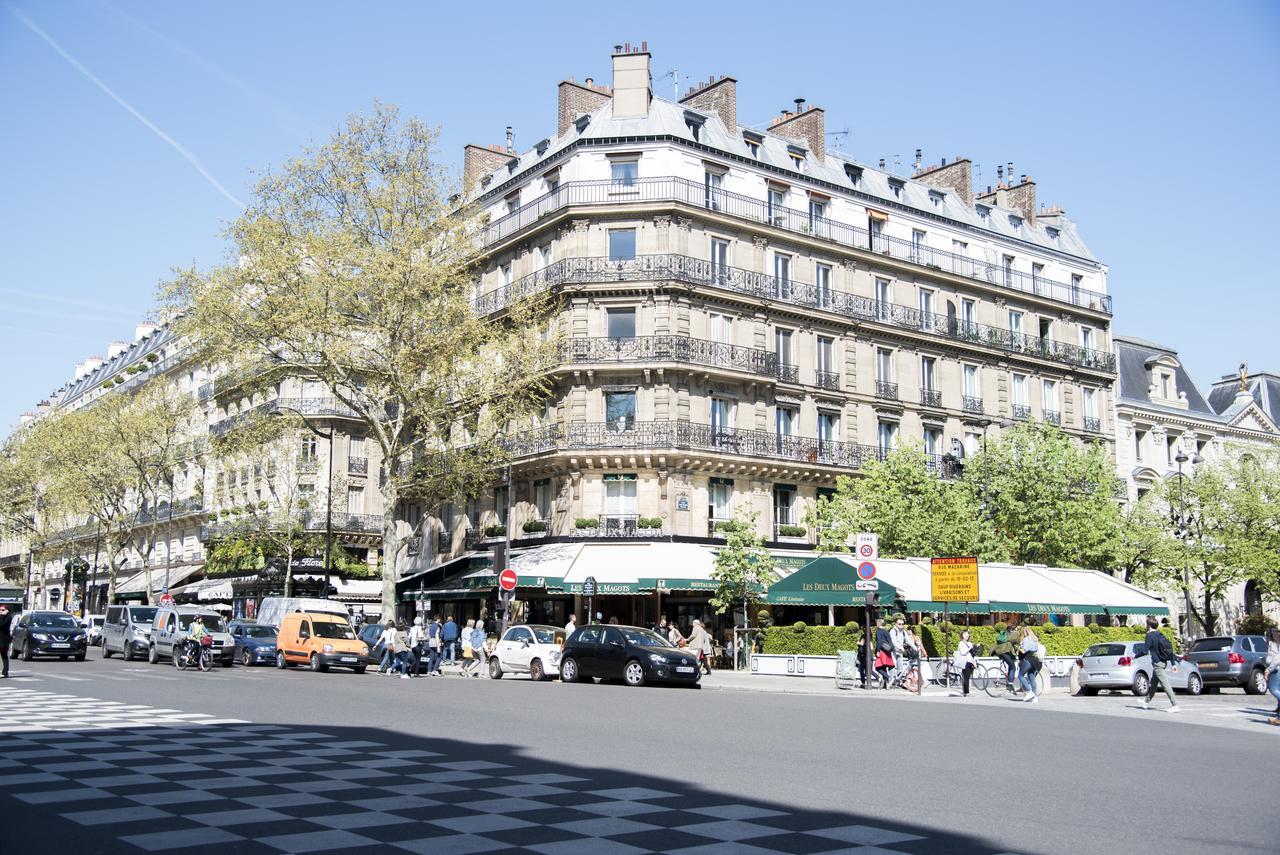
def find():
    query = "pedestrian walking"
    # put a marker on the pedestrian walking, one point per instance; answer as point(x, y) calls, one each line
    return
point(1029, 645)
point(674, 637)
point(662, 629)
point(464, 639)
point(6, 636)
point(388, 642)
point(449, 638)
point(418, 644)
point(1004, 649)
point(571, 625)
point(477, 650)
point(700, 643)
point(1273, 670)
point(898, 635)
point(403, 660)
point(433, 647)
point(1163, 661)
point(884, 663)
point(965, 661)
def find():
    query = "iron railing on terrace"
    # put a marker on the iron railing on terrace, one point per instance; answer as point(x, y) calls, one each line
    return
point(1091, 424)
point(931, 397)
point(668, 348)
point(693, 193)
point(827, 380)
point(358, 465)
point(305, 406)
point(1021, 412)
point(701, 272)
point(887, 390)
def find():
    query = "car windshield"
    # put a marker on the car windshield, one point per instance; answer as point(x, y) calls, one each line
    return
point(143, 614)
point(548, 635)
point(55, 620)
point(332, 629)
point(1105, 650)
point(1209, 644)
point(644, 638)
point(259, 632)
point(95, 621)
point(212, 623)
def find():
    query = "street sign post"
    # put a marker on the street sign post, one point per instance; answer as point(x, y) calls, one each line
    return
point(952, 580)
point(867, 546)
point(507, 580)
point(866, 585)
point(589, 591)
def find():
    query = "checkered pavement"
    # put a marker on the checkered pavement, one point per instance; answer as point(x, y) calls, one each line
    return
point(161, 780)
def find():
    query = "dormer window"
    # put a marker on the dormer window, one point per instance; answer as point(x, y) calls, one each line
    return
point(484, 182)
point(936, 198)
point(542, 146)
point(983, 212)
point(1015, 223)
point(580, 124)
point(896, 185)
point(797, 156)
point(694, 121)
point(512, 164)
point(1053, 233)
point(752, 142)
point(854, 174)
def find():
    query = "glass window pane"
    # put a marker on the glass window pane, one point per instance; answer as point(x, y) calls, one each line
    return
point(622, 323)
point(625, 172)
point(622, 244)
point(620, 410)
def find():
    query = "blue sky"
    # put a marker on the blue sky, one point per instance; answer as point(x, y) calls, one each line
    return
point(1154, 125)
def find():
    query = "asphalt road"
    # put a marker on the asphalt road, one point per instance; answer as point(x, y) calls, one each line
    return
point(600, 768)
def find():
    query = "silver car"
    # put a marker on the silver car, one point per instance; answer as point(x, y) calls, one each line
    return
point(1125, 665)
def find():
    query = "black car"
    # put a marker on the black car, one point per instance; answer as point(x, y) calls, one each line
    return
point(369, 634)
point(629, 653)
point(49, 634)
point(255, 642)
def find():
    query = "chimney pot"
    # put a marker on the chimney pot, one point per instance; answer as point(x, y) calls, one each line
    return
point(882, 163)
point(1024, 178)
point(944, 161)
point(799, 105)
point(617, 48)
point(589, 80)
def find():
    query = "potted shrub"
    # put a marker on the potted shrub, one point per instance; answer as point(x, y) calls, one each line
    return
point(649, 523)
point(586, 523)
point(533, 526)
point(495, 531)
point(723, 527)
point(792, 531)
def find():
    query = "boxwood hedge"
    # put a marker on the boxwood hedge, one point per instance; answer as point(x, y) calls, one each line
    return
point(800, 639)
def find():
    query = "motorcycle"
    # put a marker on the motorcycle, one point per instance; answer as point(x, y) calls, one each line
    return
point(199, 655)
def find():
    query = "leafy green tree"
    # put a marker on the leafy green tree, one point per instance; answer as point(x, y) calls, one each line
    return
point(354, 267)
point(915, 512)
point(1146, 541)
point(1052, 500)
point(744, 569)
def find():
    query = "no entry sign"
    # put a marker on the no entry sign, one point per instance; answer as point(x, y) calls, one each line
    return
point(507, 580)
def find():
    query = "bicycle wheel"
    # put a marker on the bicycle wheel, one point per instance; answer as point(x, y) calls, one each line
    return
point(182, 660)
point(948, 677)
point(980, 680)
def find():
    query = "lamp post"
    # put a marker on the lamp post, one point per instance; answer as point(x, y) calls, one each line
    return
point(1182, 528)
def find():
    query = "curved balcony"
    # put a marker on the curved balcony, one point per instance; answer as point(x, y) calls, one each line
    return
point(668, 348)
point(305, 406)
point(694, 194)
point(703, 273)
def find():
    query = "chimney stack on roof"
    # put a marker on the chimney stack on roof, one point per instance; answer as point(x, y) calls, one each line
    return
point(116, 348)
point(806, 125)
point(479, 160)
point(576, 99)
point(631, 84)
point(143, 330)
point(957, 176)
point(718, 95)
point(1021, 197)
point(511, 140)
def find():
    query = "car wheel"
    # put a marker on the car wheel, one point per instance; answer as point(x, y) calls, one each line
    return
point(1088, 691)
point(359, 669)
point(1195, 685)
point(569, 670)
point(633, 673)
point(106, 651)
point(316, 664)
point(80, 656)
point(27, 655)
point(246, 658)
point(281, 662)
point(495, 668)
point(1141, 684)
point(536, 672)
point(126, 652)
point(153, 656)
point(1256, 684)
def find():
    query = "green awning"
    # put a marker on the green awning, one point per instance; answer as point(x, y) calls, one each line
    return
point(953, 608)
point(1044, 608)
point(825, 581)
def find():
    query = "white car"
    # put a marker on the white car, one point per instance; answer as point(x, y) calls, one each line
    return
point(93, 626)
point(532, 649)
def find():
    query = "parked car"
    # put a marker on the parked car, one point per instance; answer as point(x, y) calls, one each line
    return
point(49, 634)
point(93, 627)
point(170, 629)
point(369, 634)
point(320, 640)
point(127, 631)
point(630, 653)
point(532, 649)
point(1232, 660)
point(255, 644)
point(1126, 666)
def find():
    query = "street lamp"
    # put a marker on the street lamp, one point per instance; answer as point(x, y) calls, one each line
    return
point(1182, 528)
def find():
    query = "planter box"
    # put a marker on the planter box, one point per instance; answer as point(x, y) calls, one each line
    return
point(793, 666)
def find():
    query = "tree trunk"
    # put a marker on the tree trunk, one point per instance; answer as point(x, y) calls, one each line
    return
point(390, 541)
point(288, 572)
point(1209, 620)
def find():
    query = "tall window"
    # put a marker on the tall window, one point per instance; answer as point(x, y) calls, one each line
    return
point(928, 373)
point(932, 441)
point(817, 215)
point(1050, 396)
point(719, 260)
point(781, 276)
point(1015, 324)
point(355, 447)
point(1089, 407)
point(826, 354)
point(884, 365)
point(504, 275)
point(875, 232)
point(1008, 271)
point(822, 282)
point(1020, 390)
point(622, 323)
point(917, 246)
point(968, 312)
point(1076, 279)
point(714, 181)
point(721, 415)
point(542, 498)
point(1086, 338)
point(720, 328)
point(827, 426)
point(785, 421)
point(501, 495)
point(624, 172)
point(720, 498)
point(307, 449)
point(622, 244)
point(473, 511)
point(777, 203)
point(355, 500)
point(620, 410)
point(884, 297)
point(620, 495)
point(782, 346)
point(972, 388)
point(926, 301)
point(1037, 274)
point(784, 497)
point(887, 436)
point(1138, 441)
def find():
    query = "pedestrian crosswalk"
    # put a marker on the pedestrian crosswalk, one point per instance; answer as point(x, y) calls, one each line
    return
point(135, 778)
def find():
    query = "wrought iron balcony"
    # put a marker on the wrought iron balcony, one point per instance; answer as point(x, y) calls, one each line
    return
point(787, 373)
point(1053, 417)
point(1021, 412)
point(886, 390)
point(205, 391)
point(305, 406)
point(827, 380)
point(444, 542)
point(971, 405)
point(307, 465)
point(1092, 424)
point(358, 465)
point(690, 193)
point(669, 348)
point(930, 398)
point(703, 273)
point(682, 435)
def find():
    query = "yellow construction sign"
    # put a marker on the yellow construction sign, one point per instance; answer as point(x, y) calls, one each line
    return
point(955, 580)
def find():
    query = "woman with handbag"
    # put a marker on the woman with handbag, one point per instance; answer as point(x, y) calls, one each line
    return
point(1029, 645)
point(965, 661)
point(883, 663)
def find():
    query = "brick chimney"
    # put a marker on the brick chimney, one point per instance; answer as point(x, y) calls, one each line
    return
point(717, 95)
point(957, 176)
point(631, 85)
point(574, 99)
point(1021, 197)
point(807, 125)
point(479, 160)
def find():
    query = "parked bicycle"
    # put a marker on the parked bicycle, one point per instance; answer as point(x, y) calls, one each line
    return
point(983, 678)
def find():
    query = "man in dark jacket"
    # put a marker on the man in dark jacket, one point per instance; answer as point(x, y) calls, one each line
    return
point(1162, 657)
point(449, 638)
point(6, 636)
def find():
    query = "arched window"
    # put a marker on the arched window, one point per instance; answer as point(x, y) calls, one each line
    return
point(1252, 599)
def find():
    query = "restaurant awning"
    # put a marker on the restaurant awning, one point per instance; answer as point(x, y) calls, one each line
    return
point(825, 581)
point(1106, 593)
point(137, 583)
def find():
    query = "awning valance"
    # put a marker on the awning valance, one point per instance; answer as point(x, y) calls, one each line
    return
point(825, 581)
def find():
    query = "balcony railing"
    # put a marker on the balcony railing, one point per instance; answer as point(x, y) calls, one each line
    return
point(205, 391)
point(1021, 412)
point(971, 405)
point(930, 398)
point(788, 373)
point(305, 406)
point(1053, 417)
point(827, 380)
point(668, 348)
point(886, 390)
point(674, 435)
point(700, 272)
point(693, 193)
point(358, 465)
point(1092, 424)
point(307, 465)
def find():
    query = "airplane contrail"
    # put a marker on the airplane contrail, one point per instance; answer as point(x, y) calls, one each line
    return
point(71, 301)
point(177, 146)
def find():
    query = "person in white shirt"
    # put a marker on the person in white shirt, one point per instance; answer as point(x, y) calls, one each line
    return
point(571, 625)
point(388, 642)
point(965, 662)
point(418, 643)
point(464, 638)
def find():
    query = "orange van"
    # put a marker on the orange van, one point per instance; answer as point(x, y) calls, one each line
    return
point(319, 640)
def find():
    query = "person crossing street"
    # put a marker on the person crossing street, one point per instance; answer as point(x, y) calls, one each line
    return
point(1163, 660)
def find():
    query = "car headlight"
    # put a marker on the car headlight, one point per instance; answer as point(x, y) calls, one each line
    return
point(366, 649)
point(328, 648)
point(657, 659)
point(139, 632)
point(40, 636)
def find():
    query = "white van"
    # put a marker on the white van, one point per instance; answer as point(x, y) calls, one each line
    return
point(127, 631)
point(273, 609)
